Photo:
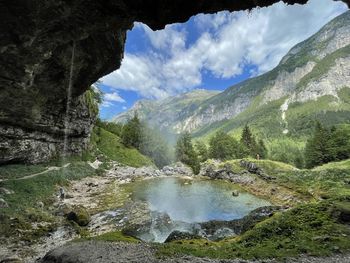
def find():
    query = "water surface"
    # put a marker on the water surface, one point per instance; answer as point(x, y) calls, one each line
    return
point(196, 200)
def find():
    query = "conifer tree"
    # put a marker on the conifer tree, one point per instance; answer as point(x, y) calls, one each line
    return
point(185, 152)
point(317, 149)
point(262, 150)
point(132, 133)
point(248, 140)
point(202, 151)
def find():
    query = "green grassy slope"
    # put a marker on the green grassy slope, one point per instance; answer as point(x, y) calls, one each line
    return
point(110, 145)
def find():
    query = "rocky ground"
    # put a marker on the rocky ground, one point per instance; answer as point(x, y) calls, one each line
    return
point(98, 252)
point(107, 207)
point(99, 197)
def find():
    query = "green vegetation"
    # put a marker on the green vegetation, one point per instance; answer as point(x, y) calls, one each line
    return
point(202, 151)
point(306, 229)
point(327, 145)
point(93, 98)
point(138, 135)
point(132, 133)
point(115, 128)
point(116, 236)
point(224, 147)
point(185, 152)
point(14, 171)
point(287, 150)
point(321, 182)
point(111, 146)
point(316, 228)
point(342, 165)
point(24, 207)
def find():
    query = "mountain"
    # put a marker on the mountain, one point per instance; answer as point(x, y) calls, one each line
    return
point(312, 81)
point(168, 113)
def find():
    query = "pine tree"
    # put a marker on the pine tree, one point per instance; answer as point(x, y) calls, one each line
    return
point(248, 140)
point(202, 151)
point(317, 149)
point(262, 150)
point(339, 144)
point(185, 152)
point(132, 133)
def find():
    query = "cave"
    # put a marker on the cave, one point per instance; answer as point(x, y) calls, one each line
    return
point(47, 46)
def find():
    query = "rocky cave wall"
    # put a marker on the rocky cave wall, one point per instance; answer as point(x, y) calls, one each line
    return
point(36, 42)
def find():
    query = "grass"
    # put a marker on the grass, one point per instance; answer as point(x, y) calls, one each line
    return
point(23, 203)
point(270, 167)
point(307, 229)
point(23, 207)
point(110, 145)
point(322, 183)
point(314, 228)
point(341, 165)
point(115, 236)
point(19, 170)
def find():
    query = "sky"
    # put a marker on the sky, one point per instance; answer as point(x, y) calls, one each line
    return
point(211, 52)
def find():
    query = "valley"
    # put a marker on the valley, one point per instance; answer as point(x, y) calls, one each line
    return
point(258, 171)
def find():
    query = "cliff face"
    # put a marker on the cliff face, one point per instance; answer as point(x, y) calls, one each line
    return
point(36, 42)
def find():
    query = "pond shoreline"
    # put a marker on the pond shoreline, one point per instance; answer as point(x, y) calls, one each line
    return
point(97, 195)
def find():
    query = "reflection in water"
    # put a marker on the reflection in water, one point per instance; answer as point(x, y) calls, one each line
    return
point(197, 200)
point(192, 201)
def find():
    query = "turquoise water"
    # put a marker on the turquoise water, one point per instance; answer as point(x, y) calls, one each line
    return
point(195, 201)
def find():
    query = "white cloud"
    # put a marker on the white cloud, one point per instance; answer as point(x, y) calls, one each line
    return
point(110, 98)
point(125, 108)
point(227, 42)
point(106, 104)
point(113, 97)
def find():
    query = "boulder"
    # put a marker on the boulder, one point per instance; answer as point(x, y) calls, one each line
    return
point(79, 215)
point(178, 235)
point(177, 169)
point(341, 212)
point(12, 259)
point(216, 230)
point(4, 191)
point(3, 203)
point(235, 193)
point(137, 218)
point(255, 169)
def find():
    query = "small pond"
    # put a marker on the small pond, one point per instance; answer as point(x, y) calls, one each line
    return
point(187, 202)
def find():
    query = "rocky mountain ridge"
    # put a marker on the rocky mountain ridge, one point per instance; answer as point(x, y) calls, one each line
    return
point(315, 69)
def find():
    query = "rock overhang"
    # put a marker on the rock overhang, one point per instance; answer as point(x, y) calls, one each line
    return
point(36, 39)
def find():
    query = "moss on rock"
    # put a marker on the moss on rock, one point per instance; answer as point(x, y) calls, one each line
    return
point(79, 215)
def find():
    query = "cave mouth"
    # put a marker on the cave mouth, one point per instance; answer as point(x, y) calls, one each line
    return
point(182, 204)
point(35, 61)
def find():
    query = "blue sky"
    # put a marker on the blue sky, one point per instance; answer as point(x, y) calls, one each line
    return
point(209, 51)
